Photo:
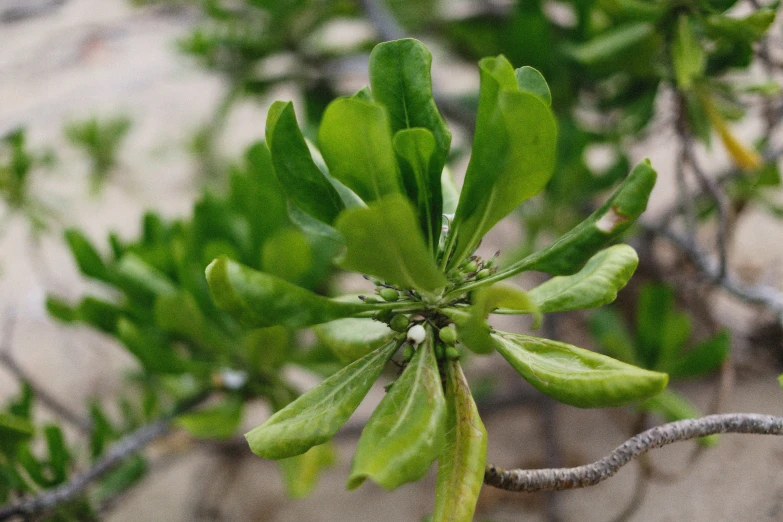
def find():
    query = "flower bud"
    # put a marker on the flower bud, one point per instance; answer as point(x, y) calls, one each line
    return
point(482, 274)
point(452, 353)
point(388, 294)
point(448, 335)
point(417, 334)
point(399, 323)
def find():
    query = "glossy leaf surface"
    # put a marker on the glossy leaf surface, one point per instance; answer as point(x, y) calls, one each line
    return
point(384, 240)
point(406, 432)
point(513, 155)
point(352, 338)
point(319, 413)
point(576, 376)
point(259, 299)
point(461, 464)
point(595, 285)
point(300, 178)
point(415, 149)
point(532, 81)
point(356, 144)
point(400, 80)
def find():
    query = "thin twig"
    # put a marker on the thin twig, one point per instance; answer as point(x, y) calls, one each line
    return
point(721, 202)
point(382, 19)
point(596, 472)
point(127, 446)
point(43, 396)
point(764, 295)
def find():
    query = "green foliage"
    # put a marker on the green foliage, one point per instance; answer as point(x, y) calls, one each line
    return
point(161, 311)
point(17, 164)
point(100, 140)
point(369, 142)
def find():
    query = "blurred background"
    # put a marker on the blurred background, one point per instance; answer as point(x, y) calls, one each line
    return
point(130, 157)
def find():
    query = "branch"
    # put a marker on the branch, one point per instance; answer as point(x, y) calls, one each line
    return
point(592, 474)
point(127, 446)
point(764, 295)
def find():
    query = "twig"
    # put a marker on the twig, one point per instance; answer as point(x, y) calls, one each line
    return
point(596, 472)
point(44, 397)
point(382, 20)
point(127, 446)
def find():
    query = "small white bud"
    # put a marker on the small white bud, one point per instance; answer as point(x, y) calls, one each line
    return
point(417, 334)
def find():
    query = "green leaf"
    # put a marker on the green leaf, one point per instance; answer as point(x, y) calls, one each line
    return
point(14, 430)
point(673, 406)
point(661, 328)
point(461, 464)
point(415, 149)
point(179, 313)
point(595, 285)
point(154, 355)
point(704, 358)
point(611, 44)
point(748, 29)
point(287, 254)
point(318, 414)
point(352, 338)
point(300, 473)
point(220, 421)
point(576, 376)
point(513, 156)
point(532, 81)
point(356, 144)
point(472, 327)
point(87, 258)
point(570, 252)
point(400, 80)
point(688, 55)
point(406, 432)
point(609, 329)
point(136, 275)
point(59, 456)
point(384, 240)
point(259, 299)
point(303, 182)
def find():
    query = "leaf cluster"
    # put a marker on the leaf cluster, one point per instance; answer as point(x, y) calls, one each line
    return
point(381, 195)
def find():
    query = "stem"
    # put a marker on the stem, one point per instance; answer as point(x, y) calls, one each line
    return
point(596, 472)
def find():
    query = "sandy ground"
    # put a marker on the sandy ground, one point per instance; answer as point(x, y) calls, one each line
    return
point(86, 57)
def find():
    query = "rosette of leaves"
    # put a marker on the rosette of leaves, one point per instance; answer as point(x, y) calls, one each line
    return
point(386, 200)
point(154, 300)
point(661, 341)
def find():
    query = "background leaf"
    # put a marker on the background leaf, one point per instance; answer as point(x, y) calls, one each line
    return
point(300, 178)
